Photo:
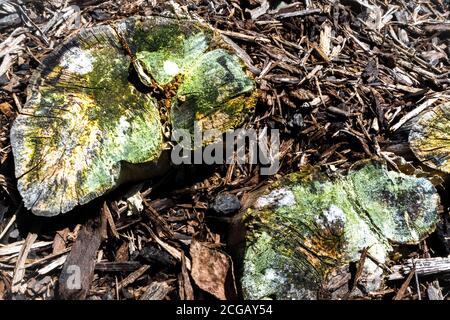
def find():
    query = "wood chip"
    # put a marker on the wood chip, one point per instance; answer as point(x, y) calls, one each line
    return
point(19, 270)
point(419, 109)
point(14, 248)
point(110, 220)
point(185, 287)
point(156, 291)
point(133, 277)
point(424, 267)
point(401, 292)
point(173, 251)
point(434, 291)
point(59, 242)
point(78, 271)
point(128, 266)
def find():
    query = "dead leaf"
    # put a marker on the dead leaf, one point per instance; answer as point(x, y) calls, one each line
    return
point(6, 109)
point(209, 269)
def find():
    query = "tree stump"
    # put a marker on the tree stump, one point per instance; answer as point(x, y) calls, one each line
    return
point(429, 138)
point(305, 227)
point(101, 108)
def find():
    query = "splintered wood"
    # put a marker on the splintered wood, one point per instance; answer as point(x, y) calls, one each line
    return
point(78, 271)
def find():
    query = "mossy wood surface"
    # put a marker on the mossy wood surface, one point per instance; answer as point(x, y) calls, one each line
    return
point(85, 117)
point(306, 225)
point(430, 138)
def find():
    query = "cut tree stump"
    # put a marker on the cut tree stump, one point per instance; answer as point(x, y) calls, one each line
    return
point(306, 225)
point(102, 107)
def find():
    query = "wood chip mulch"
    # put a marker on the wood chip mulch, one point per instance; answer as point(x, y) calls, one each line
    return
point(339, 79)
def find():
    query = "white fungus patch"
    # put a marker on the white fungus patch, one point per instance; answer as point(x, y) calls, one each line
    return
point(78, 61)
point(270, 275)
point(334, 214)
point(277, 198)
point(171, 68)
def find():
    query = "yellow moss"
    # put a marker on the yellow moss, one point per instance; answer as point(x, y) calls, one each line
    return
point(430, 138)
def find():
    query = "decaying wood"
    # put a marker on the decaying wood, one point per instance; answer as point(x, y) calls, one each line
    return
point(19, 270)
point(342, 80)
point(78, 271)
point(210, 268)
point(434, 291)
point(59, 242)
point(173, 251)
point(122, 254)
point(424, 267)
point(156, 291)
point(185, 287)
point(128, 266)
point(401, 292)
point(110, 220)
point(132, 277)
point(359, 271)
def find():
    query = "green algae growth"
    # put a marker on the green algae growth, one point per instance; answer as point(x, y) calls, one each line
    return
point(86, 119)
point(307, 225)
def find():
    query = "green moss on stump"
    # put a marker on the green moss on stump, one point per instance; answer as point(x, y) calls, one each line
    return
point(84, 117)
point(306, 225)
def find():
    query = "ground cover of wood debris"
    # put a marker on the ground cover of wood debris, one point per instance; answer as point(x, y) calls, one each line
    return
point(338, 78)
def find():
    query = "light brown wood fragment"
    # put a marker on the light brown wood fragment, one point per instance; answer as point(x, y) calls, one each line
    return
point(413, 113)
point(242, 54)
point(401, 292)
point(133, 277)
point(47, 258)
point(10, 223)
point(53, 265)
point(359, 270)
point(156, 291)
point(298, 13)
point(59, 241)
point(424, 267)
point(122, 254)
point(245, 37)
point(110, 220)
point(210, 269)
point(173, 251)
point(325, 38)
point(19, 270)
point(14, 248)
point(186, 291)
point(259, 11)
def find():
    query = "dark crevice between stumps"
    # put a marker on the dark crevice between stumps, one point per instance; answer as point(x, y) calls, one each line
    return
point(133, 78)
